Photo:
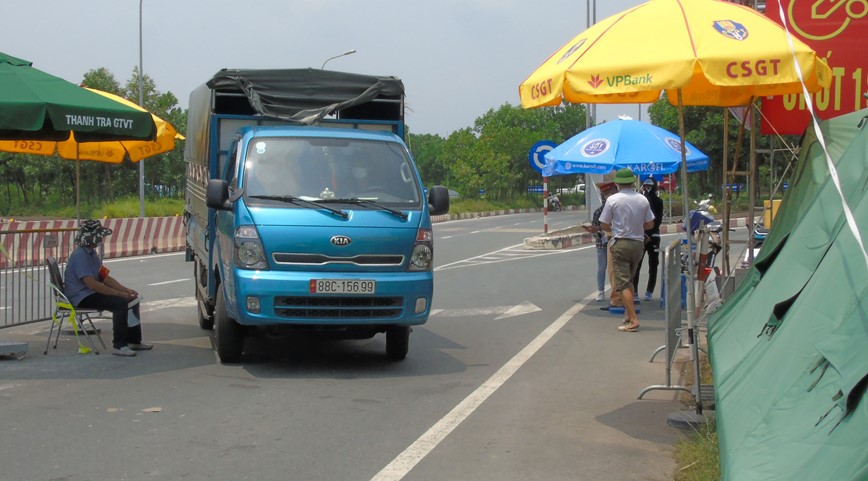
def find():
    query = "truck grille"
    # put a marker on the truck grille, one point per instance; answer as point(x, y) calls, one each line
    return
point(319, 259)
point(339, 307)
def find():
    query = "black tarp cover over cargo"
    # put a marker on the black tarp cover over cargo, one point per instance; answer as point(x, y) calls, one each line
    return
point(306, 96)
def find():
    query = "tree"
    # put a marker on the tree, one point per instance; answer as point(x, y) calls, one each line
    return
point(704, 129)
point(427, 151)
point(165, 170)
point(463, 166)
point(497, 153)
point(102, 79)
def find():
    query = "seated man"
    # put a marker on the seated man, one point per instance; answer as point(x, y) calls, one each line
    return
point(88, 284)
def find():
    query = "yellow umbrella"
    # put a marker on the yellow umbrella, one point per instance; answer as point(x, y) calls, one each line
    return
point(717, 53)
point(112, 152)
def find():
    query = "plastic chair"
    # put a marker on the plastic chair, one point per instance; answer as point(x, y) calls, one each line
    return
point(63, 309)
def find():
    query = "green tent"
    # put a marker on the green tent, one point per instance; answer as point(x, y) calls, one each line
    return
point(789, 349)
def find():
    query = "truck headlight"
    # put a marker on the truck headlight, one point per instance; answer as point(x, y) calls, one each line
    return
point(249, 253)
point(422, 258)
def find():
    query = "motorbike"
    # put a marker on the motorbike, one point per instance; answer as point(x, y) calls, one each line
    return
point(703, 214)
point(702, 219)
point(715, 243)
point(554, 203)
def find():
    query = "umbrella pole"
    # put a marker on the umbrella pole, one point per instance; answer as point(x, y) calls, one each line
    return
point(77, 184)
point(752, 185)
point(670, 197)
point(691, 270)
point(727, 194)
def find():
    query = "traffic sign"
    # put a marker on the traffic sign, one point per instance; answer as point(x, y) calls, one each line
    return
point(538, 152)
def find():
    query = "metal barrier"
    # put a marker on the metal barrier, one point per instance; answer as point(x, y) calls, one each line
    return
point(25, 294)
point(671, 299)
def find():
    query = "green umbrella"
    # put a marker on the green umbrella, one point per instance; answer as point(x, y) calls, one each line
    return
point(35, 105)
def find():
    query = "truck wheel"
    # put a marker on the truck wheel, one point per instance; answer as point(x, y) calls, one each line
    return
point(397, 342)
point(229, 334)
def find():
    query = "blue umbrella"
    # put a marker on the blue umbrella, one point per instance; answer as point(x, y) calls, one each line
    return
point(645, 148)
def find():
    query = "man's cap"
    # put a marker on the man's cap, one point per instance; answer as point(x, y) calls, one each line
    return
point(91, 232)
point(604, 186)
point(649, 181)
point(624, 176)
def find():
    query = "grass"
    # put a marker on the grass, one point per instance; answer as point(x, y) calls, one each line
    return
point(462, 206)
point(123, 208)
point(169, 207)
point(163, 207)
point(698, 456)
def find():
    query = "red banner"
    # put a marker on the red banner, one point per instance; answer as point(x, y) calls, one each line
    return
point(838, 31)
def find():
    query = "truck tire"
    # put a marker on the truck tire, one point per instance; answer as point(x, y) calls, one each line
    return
point(397, 342)
point(229, 334)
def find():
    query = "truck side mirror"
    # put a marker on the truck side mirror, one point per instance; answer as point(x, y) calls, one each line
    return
point(217, 195)
point(438, 200)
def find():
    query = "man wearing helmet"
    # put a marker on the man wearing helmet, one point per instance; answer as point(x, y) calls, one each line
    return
point(89, 285)
point(652, 239)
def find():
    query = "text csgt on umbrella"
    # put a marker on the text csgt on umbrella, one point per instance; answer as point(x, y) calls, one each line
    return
point(759, 68)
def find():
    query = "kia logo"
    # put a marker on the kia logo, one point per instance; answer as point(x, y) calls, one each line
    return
point(340, 240)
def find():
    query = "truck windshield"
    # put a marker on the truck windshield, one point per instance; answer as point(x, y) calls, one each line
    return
point(329, 169)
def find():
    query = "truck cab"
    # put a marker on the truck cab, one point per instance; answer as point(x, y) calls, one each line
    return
point(320, 226)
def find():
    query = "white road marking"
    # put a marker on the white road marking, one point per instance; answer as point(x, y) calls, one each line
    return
point(410, 457)
point(167, 303)
point(142, 258)
point(521, 309)
point(202, 342)
point(508, 254)
point(502, 311)
point(170, 282)
point(444, 266)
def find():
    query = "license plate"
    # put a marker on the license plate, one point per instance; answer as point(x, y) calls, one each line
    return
point(342, 286)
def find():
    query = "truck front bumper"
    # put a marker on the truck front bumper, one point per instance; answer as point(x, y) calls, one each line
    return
point(266, 298)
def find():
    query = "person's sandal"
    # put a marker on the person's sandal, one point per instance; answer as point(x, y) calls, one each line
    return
point(628, 328)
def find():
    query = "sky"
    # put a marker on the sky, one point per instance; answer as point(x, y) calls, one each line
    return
point(458, 59)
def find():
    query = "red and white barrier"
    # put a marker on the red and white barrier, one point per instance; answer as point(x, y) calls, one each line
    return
point(152, 235)
point(26, 243)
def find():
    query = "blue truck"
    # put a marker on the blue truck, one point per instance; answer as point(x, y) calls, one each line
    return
point(304, 209)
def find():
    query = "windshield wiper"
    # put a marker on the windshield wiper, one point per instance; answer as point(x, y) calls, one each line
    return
point(289, 199)
point(358, 201)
